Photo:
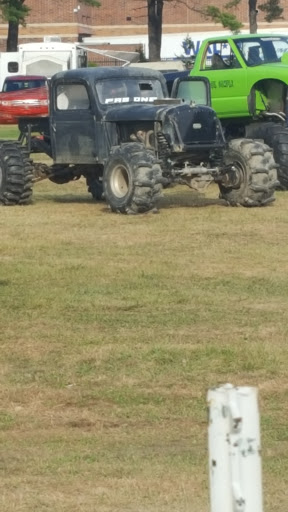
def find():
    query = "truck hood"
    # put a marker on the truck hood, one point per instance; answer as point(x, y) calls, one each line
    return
point(272, 65)
point(149, 112)
point(275, 70)
point(181, 123)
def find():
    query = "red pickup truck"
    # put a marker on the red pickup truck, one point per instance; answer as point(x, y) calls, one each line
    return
point(23, 95)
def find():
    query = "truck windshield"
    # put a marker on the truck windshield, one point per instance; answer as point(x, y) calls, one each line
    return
point(21, 85)
point(128, 91)
point(262, 50)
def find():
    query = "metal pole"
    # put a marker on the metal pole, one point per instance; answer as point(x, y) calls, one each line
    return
point(234, 450)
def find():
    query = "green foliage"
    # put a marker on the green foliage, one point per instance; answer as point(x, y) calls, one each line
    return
point(141, 52)
point(232, 4)
point(14, 11)
point(92, 3)
point(226, 19)
point(188, 46)
point(272, 9)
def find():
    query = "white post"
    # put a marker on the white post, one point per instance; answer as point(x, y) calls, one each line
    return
point(234, 450)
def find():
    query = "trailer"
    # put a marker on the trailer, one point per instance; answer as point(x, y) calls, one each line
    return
point(44, 58)
point(52, 56)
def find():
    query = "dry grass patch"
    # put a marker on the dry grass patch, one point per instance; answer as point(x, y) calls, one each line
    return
point(113, 329)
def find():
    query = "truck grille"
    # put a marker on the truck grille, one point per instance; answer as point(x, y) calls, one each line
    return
point(196, 125)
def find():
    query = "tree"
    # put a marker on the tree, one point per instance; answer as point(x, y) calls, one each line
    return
point(15, 12)
point(155, 16)
point(252, 4)
point(228, 20)
point(270, 7)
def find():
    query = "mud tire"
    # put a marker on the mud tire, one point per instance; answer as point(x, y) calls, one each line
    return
point(256, 171)
point(132, 180)
point(274, 135)
point(16, 174)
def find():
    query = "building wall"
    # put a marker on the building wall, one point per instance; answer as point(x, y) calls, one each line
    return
point(115, 13)
point(115, 18)
point(124, 12)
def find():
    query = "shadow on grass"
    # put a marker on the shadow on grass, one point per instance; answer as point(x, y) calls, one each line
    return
point(177, 200)
point(66, 198)
point(188, 198)
point(170, 199)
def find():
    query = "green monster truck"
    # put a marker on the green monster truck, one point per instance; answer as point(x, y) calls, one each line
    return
point(248, 75)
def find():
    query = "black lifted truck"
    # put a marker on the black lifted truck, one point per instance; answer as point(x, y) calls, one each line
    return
point(118, 129)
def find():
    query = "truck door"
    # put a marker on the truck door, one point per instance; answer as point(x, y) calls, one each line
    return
point(227, 77)
point(195, 89)
point(73, 124)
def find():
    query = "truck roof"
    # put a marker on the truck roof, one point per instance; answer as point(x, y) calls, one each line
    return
point(242, 36)
point(103, 72)
point(162, 65)
point(91, 75)
point(25, 77)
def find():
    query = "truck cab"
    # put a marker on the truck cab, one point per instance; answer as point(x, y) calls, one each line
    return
point(87, 104)
point(246, 72)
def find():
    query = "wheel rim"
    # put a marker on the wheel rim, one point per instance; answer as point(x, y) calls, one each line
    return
point(237, 177)
point(240, 174)
point(120, 181)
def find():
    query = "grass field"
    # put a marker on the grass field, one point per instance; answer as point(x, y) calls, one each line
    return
point(114, 328)
point(9, 131)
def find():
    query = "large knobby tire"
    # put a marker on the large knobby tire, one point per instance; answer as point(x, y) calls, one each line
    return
point(255, 174)
point(132, 179)
point(16, 174)
point(276, 136)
